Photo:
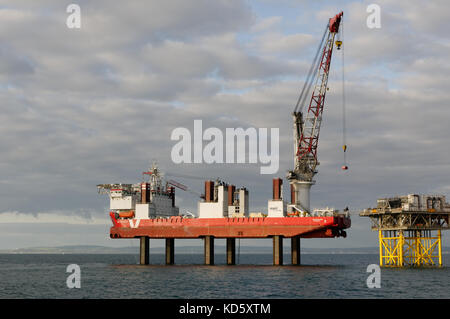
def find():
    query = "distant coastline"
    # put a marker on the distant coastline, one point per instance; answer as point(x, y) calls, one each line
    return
point(219, 249)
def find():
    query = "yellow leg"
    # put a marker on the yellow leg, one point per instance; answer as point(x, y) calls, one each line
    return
point(380, 241)
point(417, 248)
point(440, 247)
point(400, 247)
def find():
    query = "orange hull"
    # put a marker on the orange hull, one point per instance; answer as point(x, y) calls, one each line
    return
point(248, 227)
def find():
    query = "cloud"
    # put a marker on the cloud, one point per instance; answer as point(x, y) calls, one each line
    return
point(420, 18)
point(72, 217)
point(266, 24)
point(11, 63)
point(292, 45)
point(96, 105)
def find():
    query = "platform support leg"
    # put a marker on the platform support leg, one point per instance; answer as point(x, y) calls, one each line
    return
point(380, 243)
point(295, 250)
point(170, 251)
point(439, 247)
point(231, 251)
point(144, 250)
point(277, 250)
point(209, 250)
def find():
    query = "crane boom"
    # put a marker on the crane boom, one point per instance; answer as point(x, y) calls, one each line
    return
point(307, 127)
point(184, 188)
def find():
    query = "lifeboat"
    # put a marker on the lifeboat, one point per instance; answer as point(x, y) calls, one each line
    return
point(127, 214)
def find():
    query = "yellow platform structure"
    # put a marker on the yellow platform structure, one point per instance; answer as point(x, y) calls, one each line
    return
point(409, 229)
point(416, 248)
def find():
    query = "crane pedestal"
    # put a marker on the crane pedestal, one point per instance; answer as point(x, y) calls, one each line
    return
point(301, 190)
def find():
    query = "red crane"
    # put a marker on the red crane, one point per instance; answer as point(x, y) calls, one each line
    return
point(307, 127)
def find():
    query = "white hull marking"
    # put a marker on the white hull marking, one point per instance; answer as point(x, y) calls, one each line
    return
point(134, 223)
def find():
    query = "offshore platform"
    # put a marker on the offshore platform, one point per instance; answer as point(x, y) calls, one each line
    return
point(409, 229)
point(147, 210)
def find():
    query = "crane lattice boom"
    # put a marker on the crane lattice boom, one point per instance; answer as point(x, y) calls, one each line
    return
point(307, 128)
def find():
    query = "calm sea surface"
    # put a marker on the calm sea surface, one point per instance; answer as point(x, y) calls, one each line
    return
point(119, 276)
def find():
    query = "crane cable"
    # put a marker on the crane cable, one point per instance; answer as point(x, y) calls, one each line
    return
point(344, 128)
point(308, 81)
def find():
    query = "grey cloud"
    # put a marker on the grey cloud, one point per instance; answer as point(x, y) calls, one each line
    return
point(96, 106)
point(420, 17)
point(12, 64)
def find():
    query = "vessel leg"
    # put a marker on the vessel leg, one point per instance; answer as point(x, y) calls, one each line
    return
point(277, 250)
point(295, 250)
point(209, 250)
point(170, 251)
point(231, 251)
point(145, 250)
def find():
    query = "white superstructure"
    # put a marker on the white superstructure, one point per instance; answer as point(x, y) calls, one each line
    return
point(150, 199)
point(155, 198)
point(277, 207)
point(414, 202)
point(222, 200)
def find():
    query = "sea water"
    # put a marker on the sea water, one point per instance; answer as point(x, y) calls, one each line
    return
point(119, 276)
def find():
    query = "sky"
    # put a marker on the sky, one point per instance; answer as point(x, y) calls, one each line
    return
point(97, 104)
